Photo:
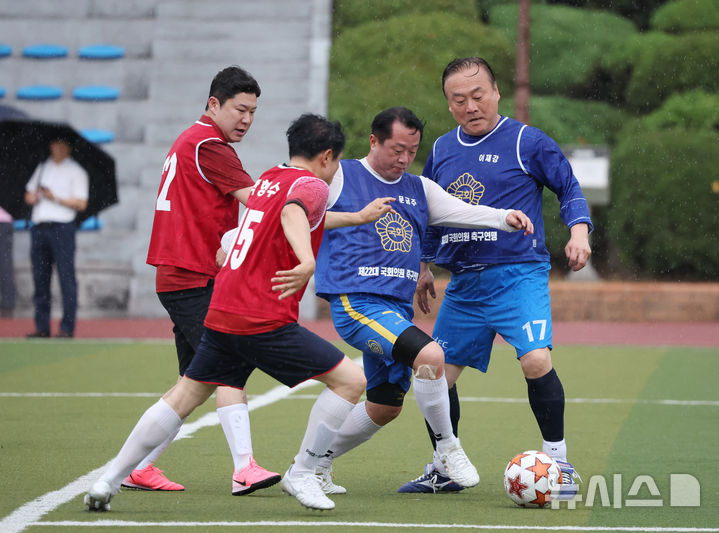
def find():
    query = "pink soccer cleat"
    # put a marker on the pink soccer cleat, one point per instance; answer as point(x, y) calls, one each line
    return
point(150, 478)
point(252, 478)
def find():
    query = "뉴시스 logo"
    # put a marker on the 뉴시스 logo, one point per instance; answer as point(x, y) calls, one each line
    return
point(683, 491)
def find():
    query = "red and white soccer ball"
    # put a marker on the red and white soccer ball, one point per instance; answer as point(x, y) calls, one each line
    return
point(532, 479)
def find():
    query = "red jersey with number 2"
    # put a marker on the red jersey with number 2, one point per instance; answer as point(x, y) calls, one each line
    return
point(194, 207)
point(243, 301)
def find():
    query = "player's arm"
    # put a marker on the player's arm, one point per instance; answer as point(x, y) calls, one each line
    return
point(369, 213)
point(296, 227)
point(578, 249)
point(546, 162)
point(242, 194)
point(425, 286)
point(447, 210)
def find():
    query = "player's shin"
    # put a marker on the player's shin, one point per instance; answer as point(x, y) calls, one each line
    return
point(326, 417)
point(155, 426)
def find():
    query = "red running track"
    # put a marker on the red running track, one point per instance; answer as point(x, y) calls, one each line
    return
point(597, 333)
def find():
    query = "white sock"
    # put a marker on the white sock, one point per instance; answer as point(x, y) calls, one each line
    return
point(433, 402)
point(235, 420)
point(155, 426)
point(555, 450)
point(357, 428)
point(155, 454)
point(326, 417)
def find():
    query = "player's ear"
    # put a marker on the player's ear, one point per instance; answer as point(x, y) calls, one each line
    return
point(213, 104)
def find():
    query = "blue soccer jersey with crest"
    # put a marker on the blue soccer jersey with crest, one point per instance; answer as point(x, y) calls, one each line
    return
point(376, 258)
point(505, 168)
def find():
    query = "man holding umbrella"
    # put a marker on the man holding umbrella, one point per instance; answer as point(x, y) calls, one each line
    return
point(57, 191)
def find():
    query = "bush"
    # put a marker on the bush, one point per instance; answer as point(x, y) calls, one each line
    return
point(664, 64)
point(567, 44)
point(570, 121)
point(693, 110)
point(400, 62)
point(637, 12)
point(665, 202)
point(686, 15)
point(350, 13)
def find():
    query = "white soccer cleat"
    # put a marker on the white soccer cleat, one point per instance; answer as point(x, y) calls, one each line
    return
point(99, 496)
point(306, 488)
point(326, 476)
point(458, 466)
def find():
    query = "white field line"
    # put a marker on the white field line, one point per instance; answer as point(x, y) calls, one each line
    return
point(479, 399)
point(28, 514)
point(294, 524)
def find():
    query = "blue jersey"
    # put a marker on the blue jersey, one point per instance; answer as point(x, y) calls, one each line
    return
point(375, 258)
point(505, 168)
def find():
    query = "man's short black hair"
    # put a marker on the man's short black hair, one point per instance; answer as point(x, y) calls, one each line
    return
point(382, 123)
point(231, 81)
point(464, 63)
point(311, 134)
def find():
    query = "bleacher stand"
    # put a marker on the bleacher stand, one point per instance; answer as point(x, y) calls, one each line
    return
point(159, 57)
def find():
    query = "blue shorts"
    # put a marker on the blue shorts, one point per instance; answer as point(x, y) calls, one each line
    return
point(372, 324)
point(290, 354)
point(512, 300)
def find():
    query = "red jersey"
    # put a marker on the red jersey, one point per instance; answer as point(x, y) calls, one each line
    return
point(194, 206)
point(243, 301)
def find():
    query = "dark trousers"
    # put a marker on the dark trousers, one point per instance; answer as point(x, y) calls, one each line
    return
point(187, 309)
point(54, 243)
point(7, 273)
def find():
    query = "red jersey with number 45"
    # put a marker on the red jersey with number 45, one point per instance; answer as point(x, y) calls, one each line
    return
point(194, 207)
point(243, 301)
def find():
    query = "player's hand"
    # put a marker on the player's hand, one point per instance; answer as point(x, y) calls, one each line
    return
point(577, 249)
point(517, 219)
point(425, 284)
point(375, 209)
point(291, 281)
point(220, 257)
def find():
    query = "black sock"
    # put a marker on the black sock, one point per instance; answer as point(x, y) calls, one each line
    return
point(546, 397)
point(453, 415)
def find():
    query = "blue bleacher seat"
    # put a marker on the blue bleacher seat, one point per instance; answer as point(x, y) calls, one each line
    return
point(21, 225)
point(39, 92)
point(95, 93)
point(98, 136)
point(2, 92)
point(5, 50)
point(101, 51)
point(44, 51)
point(91, 224)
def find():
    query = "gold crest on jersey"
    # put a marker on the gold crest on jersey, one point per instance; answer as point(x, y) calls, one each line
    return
point(395, 233)
point(467, 189)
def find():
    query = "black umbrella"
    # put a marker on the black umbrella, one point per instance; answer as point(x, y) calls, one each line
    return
point(25, 143)
point(8, 112)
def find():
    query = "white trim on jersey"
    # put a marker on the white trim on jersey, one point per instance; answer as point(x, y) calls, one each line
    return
point(338, 183)
point(486, 135)
point(197, 153)
point(519, 158)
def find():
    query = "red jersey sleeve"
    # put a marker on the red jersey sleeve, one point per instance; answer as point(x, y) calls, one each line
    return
point(311, 194)
point(219, 163)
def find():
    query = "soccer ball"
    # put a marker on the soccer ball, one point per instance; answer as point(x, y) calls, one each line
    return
point(532, 479)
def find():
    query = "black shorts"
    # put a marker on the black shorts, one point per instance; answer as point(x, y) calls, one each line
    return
point(290, 354)
point(187, 309)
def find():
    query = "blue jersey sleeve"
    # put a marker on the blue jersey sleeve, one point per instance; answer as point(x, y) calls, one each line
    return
point(432, 235)
point(544, 160)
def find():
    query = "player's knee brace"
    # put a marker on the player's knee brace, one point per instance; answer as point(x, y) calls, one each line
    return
point(408, 345)
point(387, 394)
